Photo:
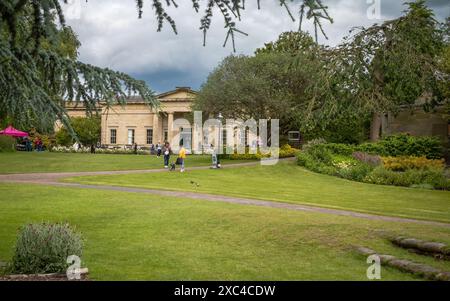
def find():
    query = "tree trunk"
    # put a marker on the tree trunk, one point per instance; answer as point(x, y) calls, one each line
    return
point(375, 127)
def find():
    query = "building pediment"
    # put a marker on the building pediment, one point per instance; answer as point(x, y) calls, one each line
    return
point(179, 94)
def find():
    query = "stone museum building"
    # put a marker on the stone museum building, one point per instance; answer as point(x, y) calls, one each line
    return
point(138, 123)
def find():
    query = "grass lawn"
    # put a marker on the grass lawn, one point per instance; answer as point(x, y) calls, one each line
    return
point(23, 162)
point(287, 182)
point(130, 236)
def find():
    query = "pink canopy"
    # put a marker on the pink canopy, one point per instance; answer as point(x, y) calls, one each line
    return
point(10, 131)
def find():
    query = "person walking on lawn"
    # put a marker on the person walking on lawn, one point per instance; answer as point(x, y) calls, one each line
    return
point(158, 149)
point(182, 157)
point(167, 150)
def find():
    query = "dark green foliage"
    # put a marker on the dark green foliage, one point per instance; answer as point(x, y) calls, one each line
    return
point(394, 146)
point(63, 138)
point(87, 131)
point(405, 145)
point(44, 248)
point(7, 144)
point(340, 148)
point(317, 158)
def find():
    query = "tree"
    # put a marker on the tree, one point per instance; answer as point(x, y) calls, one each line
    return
point(389, 66)
point(87, 131)
point(266, 86)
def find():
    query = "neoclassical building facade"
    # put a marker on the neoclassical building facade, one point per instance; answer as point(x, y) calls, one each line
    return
point(136, 122)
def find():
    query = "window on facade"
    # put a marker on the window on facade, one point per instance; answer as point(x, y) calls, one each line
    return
point(224, 137)
point(113, 136)
point(149, 136)
point(130, 136)
point(246, 136)
point(166, 135)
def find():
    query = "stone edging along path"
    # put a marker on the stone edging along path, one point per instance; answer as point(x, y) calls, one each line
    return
point(53, 180)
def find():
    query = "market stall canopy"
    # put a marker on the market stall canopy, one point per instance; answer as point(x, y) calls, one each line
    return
point(10, 131)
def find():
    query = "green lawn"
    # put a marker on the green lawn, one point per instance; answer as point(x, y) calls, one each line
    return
point(132, 236)
point(22, 162)
point(286, 182)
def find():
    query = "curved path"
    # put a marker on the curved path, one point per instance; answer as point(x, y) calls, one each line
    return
point(53, 180)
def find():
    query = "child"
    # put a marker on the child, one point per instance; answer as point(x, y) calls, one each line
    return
point(181, 157)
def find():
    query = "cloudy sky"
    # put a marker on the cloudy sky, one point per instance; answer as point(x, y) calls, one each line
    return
point(112, 35)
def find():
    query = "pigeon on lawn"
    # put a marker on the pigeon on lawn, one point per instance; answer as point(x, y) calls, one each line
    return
point(195, 183)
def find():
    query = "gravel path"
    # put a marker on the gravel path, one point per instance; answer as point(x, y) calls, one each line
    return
point(53, 180)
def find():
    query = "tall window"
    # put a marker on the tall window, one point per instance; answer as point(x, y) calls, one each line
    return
point(113, 136)
point(149, 136)
point(130, 136)
point(246, 136)
point(224, 137)
point(166, 135)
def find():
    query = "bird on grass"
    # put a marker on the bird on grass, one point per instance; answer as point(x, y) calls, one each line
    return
point(195, 183)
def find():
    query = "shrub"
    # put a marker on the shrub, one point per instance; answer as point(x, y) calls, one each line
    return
point(409, 178)
point(312, 143)
point(321, 153)
point(356, 172)
point(405, 145)
point(405, 163)
point(371, 148)
point(44, 248)
point(63, 138)
point(373, 160)
point(306, 160)
point(7, 144)
point(340, 149)
point(287, 151)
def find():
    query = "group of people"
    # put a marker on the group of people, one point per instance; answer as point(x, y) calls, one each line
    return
point(26, 144)
point(166, 151)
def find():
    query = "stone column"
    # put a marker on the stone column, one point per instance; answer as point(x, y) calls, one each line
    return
point(104, 128)
point(156, 129)
point(170, 127)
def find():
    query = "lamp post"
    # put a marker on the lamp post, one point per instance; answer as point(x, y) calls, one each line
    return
point(216, 158)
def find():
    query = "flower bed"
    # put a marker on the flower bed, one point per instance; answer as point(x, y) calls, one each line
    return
point(349, 162)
